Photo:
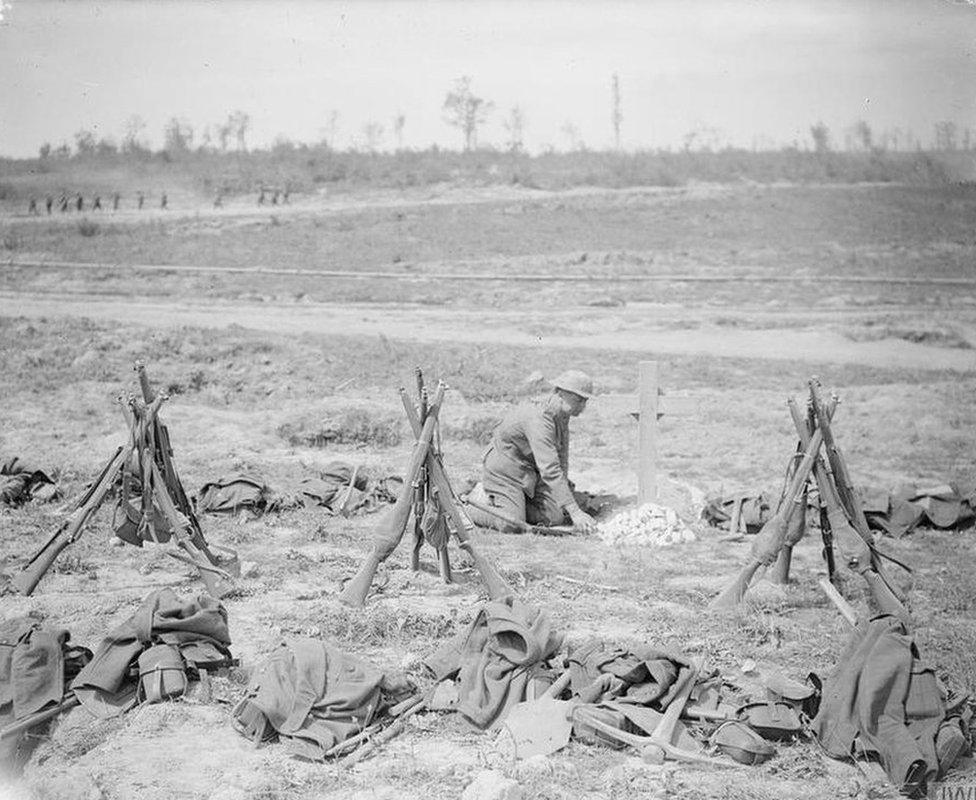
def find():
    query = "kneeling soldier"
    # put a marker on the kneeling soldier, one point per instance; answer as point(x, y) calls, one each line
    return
point(525, 469)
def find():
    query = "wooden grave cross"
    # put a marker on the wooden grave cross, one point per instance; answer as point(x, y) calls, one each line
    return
point(653, 404)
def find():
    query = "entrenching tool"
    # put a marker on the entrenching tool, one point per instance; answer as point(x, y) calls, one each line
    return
point(770, 539)
point(343, 504)
point(411, 706)
point(354, 593)
point(661, 738)
point(544, 725)
point(651, 750)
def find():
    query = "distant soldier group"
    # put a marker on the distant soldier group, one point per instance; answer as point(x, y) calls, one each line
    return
point(277, 195)
point(65, 202)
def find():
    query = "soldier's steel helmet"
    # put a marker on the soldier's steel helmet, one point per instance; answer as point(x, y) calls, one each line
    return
point(579, 383)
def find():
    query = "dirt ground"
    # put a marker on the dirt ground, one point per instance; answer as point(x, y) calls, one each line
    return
point(257, 365)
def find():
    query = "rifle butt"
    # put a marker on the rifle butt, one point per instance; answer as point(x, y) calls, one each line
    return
point(885, 599)
point(732, 594)
point(354, 593)
point(27, 579)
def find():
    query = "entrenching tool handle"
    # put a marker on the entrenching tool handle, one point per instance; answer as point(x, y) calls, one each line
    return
point(496, 585)
point(665, 728)
point(845, 608)
point(558, 685)
point(354, 593)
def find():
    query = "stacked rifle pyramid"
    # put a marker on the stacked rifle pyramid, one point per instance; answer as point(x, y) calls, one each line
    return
point(428, 494)
point(151, 502)
point(843, 524)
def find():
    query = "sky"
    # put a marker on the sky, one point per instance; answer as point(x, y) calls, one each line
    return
point(740, 72)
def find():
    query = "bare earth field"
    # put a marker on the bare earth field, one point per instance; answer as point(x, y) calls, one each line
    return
point(869, 287)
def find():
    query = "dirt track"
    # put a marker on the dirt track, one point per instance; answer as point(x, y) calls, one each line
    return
point(624, 329)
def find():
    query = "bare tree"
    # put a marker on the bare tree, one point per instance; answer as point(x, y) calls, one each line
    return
point(515, 128)
point(896, 139)
point(237, 125)
point(372, 136)
point(945, 135)
point(85, 143)
point(617, 116)
point(177, 136)
point(398, 123)
point(864, 135)
point(820, 134)
point(465, 111)
point(328, 131)
point(574, 141)
point(224, 132)
point(132, 141)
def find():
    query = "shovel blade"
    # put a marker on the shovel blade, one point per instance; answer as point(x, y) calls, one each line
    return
point(539, 727)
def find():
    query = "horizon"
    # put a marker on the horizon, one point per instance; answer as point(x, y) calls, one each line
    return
point(743, 74)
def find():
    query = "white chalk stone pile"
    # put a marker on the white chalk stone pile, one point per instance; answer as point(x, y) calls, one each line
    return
point(649, 525)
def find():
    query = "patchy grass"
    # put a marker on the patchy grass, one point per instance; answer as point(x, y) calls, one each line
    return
point(348, 426)
point(236, 391)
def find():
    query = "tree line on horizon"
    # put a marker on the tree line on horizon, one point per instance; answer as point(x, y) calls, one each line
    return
point(466, 111)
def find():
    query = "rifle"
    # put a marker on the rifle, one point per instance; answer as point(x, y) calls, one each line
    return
point(847, 495)
point(770, 539)
point(159, 488)
point(463, 526)
point(70, 530)
point(522, 527)
point(22, 725)
point(163, 451)
point(420, 487)
point(354, 593)
point(826, 536)
point(794, 531)
point(858, 553)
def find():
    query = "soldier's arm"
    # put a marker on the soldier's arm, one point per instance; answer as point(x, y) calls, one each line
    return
point(540, 430)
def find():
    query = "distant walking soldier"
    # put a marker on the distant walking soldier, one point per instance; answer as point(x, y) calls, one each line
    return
point(80, 202)
point(48, 204)
point(284, 197)
point(115, 201)
point(163, 201)
point(32, 206)
point(97, 203)
point(261, 198)
point(63, 203)
point(140, 199)
point(274, 197)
